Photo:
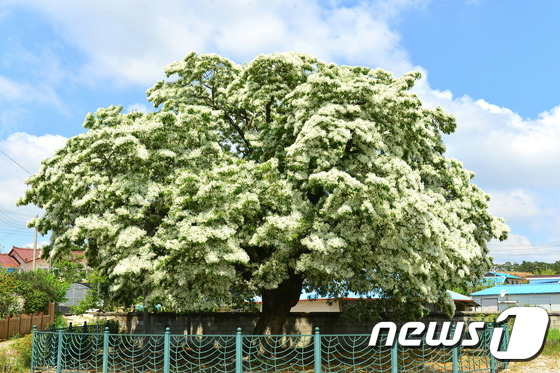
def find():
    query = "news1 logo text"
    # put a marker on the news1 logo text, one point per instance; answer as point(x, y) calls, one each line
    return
point(526, 339)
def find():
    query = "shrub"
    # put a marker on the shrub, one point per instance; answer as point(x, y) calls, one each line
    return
point(60, 321)
point(40, 287)
point(10, 302)
point(553, 335)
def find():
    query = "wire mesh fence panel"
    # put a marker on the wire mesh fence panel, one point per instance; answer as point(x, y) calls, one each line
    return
point(135, 353)
point(67, 352)
point(348, 353)
point(425, 359)
point(44, 350)
point(202, 353)
point(479, 358)
point(81, 352)
point(73, 350)
point(278, 353)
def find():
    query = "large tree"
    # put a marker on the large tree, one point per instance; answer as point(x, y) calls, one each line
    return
point(281, 174)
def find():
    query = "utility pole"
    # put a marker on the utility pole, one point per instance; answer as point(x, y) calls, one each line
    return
point(35, 247)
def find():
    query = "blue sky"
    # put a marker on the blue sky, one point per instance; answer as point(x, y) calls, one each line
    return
point(490, 63)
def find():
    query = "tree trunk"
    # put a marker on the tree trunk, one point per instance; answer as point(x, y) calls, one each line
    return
point(276, 305)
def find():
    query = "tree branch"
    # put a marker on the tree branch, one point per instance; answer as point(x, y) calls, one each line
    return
point(239, 132)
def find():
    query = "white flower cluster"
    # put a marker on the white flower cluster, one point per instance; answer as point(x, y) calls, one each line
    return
point(251, 177)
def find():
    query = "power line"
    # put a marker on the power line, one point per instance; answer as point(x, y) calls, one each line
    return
point(13, 220)
point(16, 212)
point(13, 160)
point(524, 247)
point(16, 220)
point(8, 233)
point(525, 252)
point(10, 221)
point(541, 244)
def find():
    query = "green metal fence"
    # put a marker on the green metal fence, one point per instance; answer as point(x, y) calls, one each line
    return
point(92, 350)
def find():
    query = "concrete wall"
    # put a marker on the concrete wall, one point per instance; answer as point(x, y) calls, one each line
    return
point(39, 263)
point(297, 323)
point(554, 320)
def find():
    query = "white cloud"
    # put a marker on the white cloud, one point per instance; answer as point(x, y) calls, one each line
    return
point(18, 99)
point(26, 153)
point(525, 209)
point(137, 107)
point(130, 41)
point(517, 203)
point(503, 149)
point(30, 245)
point(12, 91)
point(10, 118)
point(516, 160)
point(518, 248)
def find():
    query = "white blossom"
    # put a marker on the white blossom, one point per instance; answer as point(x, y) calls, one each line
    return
point(251, 175)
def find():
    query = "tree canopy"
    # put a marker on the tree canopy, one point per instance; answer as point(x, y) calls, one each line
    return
point(537, 268)
point(283, 173)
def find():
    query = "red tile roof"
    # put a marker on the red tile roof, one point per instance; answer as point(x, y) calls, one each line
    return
point(25, 254)
point(7, 261)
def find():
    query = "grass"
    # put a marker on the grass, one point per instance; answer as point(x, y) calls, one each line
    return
point(16, 357)
point(552, 343)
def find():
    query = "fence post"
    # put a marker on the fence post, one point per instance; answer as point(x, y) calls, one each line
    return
point(238, 352)
point(106, 350)
point(51, 311)
point(33, 344)
point(52, 346)
point(317, 357)
point(394, 358)
point(166, 350)
point(455, 359)
point(505, 341)
point(59, 351)
point(492, 358)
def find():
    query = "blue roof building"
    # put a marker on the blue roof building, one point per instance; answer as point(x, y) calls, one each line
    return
point(498, 278)
point(501, 297)
point(543, 278)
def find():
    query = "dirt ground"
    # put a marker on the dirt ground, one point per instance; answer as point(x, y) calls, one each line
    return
point(78, 320)
point(542, 364)
point(6, 344)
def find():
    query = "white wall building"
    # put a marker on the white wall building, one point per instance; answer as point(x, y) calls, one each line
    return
point(501, 297)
